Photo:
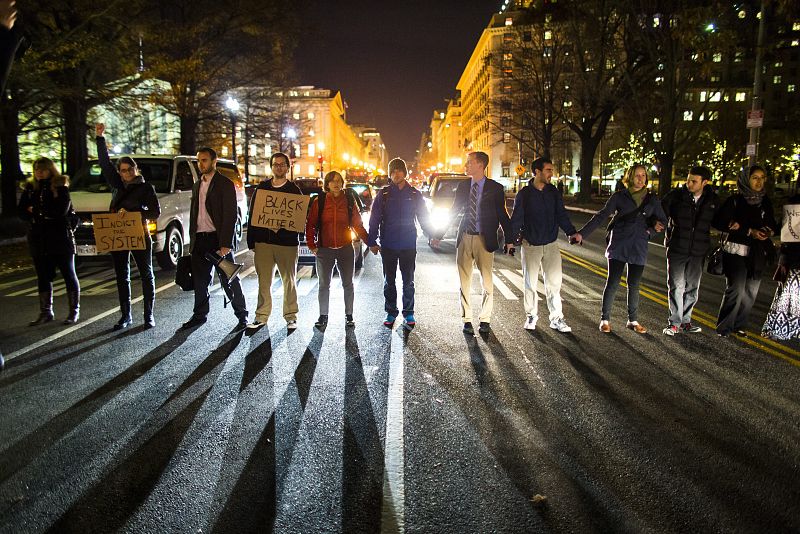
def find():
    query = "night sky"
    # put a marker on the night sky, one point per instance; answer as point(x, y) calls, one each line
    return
point(394, 62)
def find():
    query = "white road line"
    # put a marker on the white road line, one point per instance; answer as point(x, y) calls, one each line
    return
point(585, 291)
point(13, 283)
point(507, 293)
point(103, 315)
point(394, 492)
point(518, 282)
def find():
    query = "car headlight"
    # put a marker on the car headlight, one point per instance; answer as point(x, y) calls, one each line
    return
point(151, 227)
point(440, 218)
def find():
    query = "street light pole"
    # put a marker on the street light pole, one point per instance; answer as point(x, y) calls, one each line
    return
point(757, 81)
point(291, 134)
point(233, 106)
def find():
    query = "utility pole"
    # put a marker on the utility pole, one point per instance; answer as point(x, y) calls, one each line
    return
point(754, 132)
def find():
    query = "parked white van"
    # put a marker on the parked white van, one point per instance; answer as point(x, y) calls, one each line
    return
point(172, 177)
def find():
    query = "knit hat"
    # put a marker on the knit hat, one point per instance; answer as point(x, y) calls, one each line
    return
point(397, 164)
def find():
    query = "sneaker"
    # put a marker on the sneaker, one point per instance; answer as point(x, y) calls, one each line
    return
point(484, 328)
point(291, 325)
point(409, 320)
point(468, 329)
point(348, 320)
point(530, 323)
point(322, 321)
point(740, 332)
point(671, 330)
point(256, 324)
point(389, 321)
point(560, 325)
point(689, 327)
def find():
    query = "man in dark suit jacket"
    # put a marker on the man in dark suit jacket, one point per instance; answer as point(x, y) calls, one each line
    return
point(212, 226)
point(483, 203)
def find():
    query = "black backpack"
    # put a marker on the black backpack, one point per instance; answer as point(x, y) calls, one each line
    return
point(351, 202)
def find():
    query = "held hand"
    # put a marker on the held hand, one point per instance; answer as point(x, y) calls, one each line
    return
point(733, 225)
point(223, 251)
point(758, 234)
point(509, 249)
point(659, 227)
point(122, 211)
point(435, 243)
point(313, 250)
point(375, 249)
point(576, 238)
point(30, 209)
point(99, 129)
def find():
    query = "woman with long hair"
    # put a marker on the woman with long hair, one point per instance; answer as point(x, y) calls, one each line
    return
point(637, 217)
point(46, 205)
point(130, 194)
point(332, 217)
point(749, 218)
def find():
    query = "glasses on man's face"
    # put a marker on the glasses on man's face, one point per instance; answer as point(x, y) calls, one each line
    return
point(279, 165)
point(127, 169)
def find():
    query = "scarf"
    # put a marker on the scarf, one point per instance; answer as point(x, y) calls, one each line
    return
point(751, 197)
point(638, 196)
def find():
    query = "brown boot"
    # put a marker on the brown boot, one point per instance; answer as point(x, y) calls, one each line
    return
point(45, 308)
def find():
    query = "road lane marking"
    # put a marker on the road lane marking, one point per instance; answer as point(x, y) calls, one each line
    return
point(507, 293)
point(86, 322)
point(394, 492)
point(753, 339)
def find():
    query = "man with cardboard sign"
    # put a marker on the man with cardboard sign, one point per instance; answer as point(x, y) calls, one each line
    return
point(118, 231)
point(277, 210)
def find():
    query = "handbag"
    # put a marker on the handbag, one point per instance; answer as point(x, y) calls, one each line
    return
point(183, 273)
point(714, 265)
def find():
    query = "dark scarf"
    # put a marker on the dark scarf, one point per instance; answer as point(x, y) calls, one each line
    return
point(753, 198)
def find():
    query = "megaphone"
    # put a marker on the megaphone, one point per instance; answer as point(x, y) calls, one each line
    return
point(225, 266)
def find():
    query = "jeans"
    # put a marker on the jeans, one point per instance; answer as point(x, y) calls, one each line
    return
point(407, 261)
point(345, 259)
point(683, 286)
point(122, 268)
point(615, 268)
point(740, 294)
point(45, 266)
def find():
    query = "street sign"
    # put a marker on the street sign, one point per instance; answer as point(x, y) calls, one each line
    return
point(751, 150)
point(755, 118)
point(520, 170)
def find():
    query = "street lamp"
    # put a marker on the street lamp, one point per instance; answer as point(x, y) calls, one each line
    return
point(233, 106)
point(321, 159)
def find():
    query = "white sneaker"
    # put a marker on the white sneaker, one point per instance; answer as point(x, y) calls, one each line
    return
point(560, 325)
point(530, 323)
point(255, 325)
point(291, 325)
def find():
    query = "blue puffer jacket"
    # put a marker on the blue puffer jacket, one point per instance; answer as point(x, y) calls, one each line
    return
point(628, 239)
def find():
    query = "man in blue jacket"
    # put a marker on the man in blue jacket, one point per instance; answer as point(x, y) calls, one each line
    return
point(538, 214)
point(393, 218)
point(483, 203)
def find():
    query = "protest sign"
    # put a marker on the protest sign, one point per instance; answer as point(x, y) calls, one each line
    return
point(790, 231)
point(118, 231)
point(276, 210)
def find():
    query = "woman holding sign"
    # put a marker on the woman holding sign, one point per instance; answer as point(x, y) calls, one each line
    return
point(332, 217)
point(130, 194)
point(783, 319)
point(46, 204)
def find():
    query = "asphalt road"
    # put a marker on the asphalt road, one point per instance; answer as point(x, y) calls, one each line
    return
point(376, 429)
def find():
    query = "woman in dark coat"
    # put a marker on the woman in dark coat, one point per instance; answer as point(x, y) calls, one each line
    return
point(637, 216)
point(783, 319)
point(130, 193)
point(750, 221)
point(46, 204)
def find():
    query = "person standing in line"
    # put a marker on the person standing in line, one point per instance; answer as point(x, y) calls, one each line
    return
point(212, 225)
point(750, 221)
point(690, 211)
point(634, 209)
point(538, 214)
point(275, 248)
point(46, 204)
point(332, 216)
point(783, 319)
point(130, 193)
point(393, 222)
point(483, 203)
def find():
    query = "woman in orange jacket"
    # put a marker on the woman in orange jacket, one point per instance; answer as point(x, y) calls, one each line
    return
point(333, 216)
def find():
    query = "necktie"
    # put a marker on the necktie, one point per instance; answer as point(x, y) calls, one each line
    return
point(473, 209)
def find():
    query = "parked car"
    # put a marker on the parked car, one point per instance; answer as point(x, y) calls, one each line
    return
point(365, 192)
point(305, 257)
point(173, 178)
point(440, 200)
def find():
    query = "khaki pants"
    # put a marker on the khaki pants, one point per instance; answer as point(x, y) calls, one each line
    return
point(547, 260)
point(267, 256)
point(471, 251)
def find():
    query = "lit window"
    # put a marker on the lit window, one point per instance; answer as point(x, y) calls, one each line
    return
point(509, 21)
point(742, 14)
point(656, 22)
point(795, 42)
point(297, 168)
point(796, 27)
point(548, 35)
point(311, 170)
point(741, 96)
point(310, 114)
point(715, 97)
point(687, 115)
point(506, 137)
point(712, 115)
point(738, 57)
point(717, 57)
point(688, 97)
point(715, 78)
point(312, 149)
point(568, 104)
point(311, 133)
point(778, 64)
point(657, 136)
point(776, 79)
point(702, 117)
point(296, 116)
point(549, 18)
point(790, 88)
point(702, 96)
point(507, 56)
point(656, 121)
